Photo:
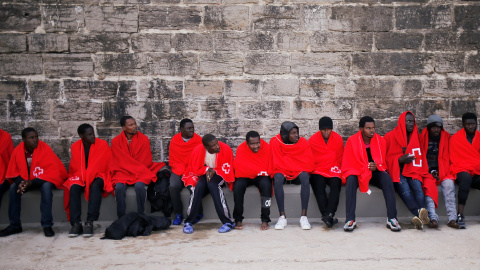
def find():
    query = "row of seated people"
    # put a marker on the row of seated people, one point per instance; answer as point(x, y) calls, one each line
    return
point(404, 161)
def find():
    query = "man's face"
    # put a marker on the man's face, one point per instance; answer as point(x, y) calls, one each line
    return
point(213, 147)
point(130, 127)
point(254, 144)
point(88, 136)
point(187, 130)
point(326, 133)
point(434, 131)
point(470, 126)
point(368, 130)
point(293, 135)
point(409, 123)
point(31, 140)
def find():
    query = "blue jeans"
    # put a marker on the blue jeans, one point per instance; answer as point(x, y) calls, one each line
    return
point(15, 202)
point(411, 193)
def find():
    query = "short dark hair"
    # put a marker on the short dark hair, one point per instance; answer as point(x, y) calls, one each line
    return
point(252, 134)
point(83, 128)
point(208, 138)
point(185, 121)
point(469, 115)
point(27, 130)
point(364, 120)
point(124, 119)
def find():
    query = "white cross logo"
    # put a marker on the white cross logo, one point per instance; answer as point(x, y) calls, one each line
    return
point(415, 160)
point(37, 172)
point(226, 168)
point(335, 169)
point(74, 178)
point(263, 173)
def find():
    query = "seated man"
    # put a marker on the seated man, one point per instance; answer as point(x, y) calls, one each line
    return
point(293, 161)
point(363, 163)
point(87, 171)
point(465, 161)
point(180, 149)
point(434, 141)
point(407, 167)
point(33, 165)
point(251, 165)
point(209, 167)
point(327, 149)
point(131, 164)
point(6, 149)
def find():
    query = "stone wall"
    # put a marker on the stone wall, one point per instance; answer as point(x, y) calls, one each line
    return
point(233, 65)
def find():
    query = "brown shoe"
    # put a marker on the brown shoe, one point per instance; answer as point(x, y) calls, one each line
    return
point(453, 224)
point(433, 224)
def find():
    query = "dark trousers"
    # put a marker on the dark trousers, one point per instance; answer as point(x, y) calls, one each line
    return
point(3, 188)
point(465, 182)
point(302, 179)
point(327, 205)
point(214, 187)
point(15, 202)
point(411, 193)
point(120, 195)
point(264, 185)
point(379, 179)
point(94, 201)
point(176, 186)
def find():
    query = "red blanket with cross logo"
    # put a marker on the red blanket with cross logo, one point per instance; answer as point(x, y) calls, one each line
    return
point(250, 165)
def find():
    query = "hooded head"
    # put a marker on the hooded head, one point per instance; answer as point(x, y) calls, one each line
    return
point(285, 129)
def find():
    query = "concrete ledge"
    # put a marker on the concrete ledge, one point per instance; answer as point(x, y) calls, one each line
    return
point(367, 205)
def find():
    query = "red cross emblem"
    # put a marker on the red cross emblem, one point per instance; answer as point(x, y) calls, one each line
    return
point(226, 168)
point(37, 172)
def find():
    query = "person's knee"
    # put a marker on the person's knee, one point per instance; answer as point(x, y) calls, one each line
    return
point(75, 189)
point(140, 187)
point(47, 187)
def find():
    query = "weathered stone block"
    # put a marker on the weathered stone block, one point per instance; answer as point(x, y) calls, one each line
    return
point(452, 88)
point(141, 111)
point(217, 108)
point(392, 64)
point(441, 41)
point(100, 90)
point(320, 63)
point(469, 41)
point(43, 90)
point(427, 107)
point(120, 64)
point(193, 41)
point(232, 41)
point(242, 88)
point(60, 18)
point(203, 127)
point(14, 128)
point(281, 87)
point(28, 110)
point(320, 88)
point(45, 128)
point(261, 41)
point(160, 89)
point(293, 41)
point(221, 64)
point(108, 130)
point(217, 2)
point(226, 17)
point(20, 64)
point(83, 111)
point(68, 65)
point(264, 110)
point(24, 18)
point(173, 17)
point(459, 107)
point(203, 88)
point(69, 128)
point(180, 109)
point(398, 41)
point(13, 90)
point(378, 109)
point(276, 17)
point(111, 18)
point(61, 148)
point(412, 88)
point(267, 63)
point(12, 43)
point(449, 62)
point(315, 18)
point(428, 17)
point(361, 18)
point(47, 43)
point(151, 42)
point(472, 64)
point(239, 128)
point(335, 109)
point(338, 42)
point(466, 17)
point(104, 42)
point(173, 64)
point(375, 88)
point(234, 2)
point(158, 129)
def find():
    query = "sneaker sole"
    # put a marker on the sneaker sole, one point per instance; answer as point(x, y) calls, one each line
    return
point(350, 229)
point(423, 215)
point(393, 229)
point(73, 235)
point(418, 223)
point(306, 228)
point(87, 235)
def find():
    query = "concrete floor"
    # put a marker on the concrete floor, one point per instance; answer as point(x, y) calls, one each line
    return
point(370, 246)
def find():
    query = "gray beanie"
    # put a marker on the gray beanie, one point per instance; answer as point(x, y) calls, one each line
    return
point(434, 120)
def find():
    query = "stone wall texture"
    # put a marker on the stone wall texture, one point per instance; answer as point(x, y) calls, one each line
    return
point(233, 65)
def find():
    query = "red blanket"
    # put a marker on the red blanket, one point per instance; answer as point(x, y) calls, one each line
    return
point(291, 159)
point(465, 157)
point(443, 154)
point(179, 152)
point(132, 163)
point(250, 165)
point(6, 149)
point(45, 165)
point(355, 158)
point(327, 157)
point(196, 165)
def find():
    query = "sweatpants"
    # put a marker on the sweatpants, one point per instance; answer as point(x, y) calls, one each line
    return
point(326, 204)
point(264, 185)
point(94, 201)
point(302, 179)
point(465, 182)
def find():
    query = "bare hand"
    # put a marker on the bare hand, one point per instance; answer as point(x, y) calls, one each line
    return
point(372, 166)
point(210, 173)
point(435, 174)
point(23, 186)
point(407, 158)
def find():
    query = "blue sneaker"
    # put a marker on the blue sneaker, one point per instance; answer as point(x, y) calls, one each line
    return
point(188, 228)
point(199, 217)
point(226, 227)
point(178, 220)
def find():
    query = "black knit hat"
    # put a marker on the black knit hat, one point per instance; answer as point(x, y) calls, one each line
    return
point(325, 122)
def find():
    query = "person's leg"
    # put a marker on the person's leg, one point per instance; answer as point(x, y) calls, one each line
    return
point(196, 196)
point(46, 201)
point(3, 188)
point(383, 181)
point(476, 182)
point(120, 194)
point(176, 186)
point(448, 190)
point(335, 185)
point(239, 189)
point(95, 199)
point(264, 184)
point(141, 191)
point(278, 180)
point(417, 192)
point(351, 197)
point(14, 206)
point(75, 204)
point(304, 191)
point(464, 181)
point(403, 190)
point(221, 206)
point(318, 183)
point(430, 205)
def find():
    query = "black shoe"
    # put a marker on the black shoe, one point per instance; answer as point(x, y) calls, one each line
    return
point(9, 231)
point(334, 221)
point(461, 221)
point(88, 229)
point(48, 231)
point(327, 221)
point(75, 231)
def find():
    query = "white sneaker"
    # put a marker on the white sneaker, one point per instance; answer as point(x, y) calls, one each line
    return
point(304, 223)
point(281, 223)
